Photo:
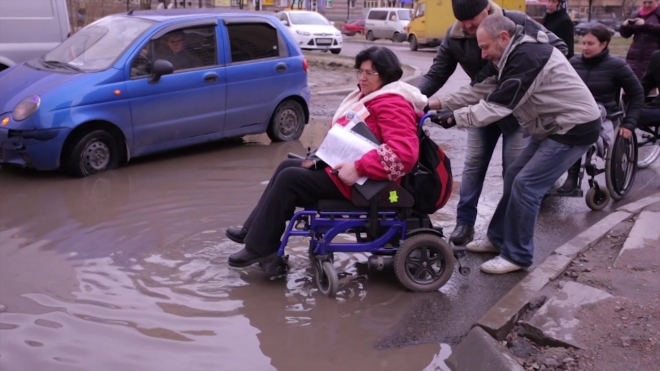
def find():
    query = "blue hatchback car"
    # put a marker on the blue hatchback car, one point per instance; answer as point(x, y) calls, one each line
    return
point(132, 84)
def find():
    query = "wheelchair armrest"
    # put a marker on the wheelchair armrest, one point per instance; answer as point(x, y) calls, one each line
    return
point(615, 115)
point(390, 196)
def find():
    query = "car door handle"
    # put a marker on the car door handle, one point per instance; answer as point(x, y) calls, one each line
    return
point(280, 67)
point(211, 77)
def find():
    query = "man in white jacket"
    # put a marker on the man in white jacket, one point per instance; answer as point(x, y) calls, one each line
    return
point(534, 81)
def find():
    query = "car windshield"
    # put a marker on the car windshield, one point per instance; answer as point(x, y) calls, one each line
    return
point(308, 18)
point(404, 15)
point(97, 46)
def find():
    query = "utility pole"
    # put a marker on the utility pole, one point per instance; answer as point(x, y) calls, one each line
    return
point(348, 10)
point(591, 2)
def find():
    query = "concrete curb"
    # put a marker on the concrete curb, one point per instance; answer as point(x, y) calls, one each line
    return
point(416, 74)
point(500, 319)
point(491, 354)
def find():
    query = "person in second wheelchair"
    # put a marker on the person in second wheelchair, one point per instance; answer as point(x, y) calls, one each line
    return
point(393, 107)
point(651, 80)
point(535, 82)
point(605, 76)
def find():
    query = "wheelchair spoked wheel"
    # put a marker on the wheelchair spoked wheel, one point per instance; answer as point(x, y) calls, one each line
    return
point(621, 166)
point(424, 262)
point(597, 198)
point(648, 149)
point(327, 279)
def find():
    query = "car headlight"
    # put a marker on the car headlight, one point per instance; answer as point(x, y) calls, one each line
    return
point(304, 33)
point(26, 108)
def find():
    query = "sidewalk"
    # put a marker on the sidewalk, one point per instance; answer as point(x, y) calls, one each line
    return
point(594, 304)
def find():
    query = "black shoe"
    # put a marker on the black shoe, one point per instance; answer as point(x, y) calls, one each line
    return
point(569, 185)
point(245, 257)
point(462, 234)
point(236, 234)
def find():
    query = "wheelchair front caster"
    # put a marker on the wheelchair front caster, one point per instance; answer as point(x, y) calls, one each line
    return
point(597, 198)
point(424, 262)
point(327, 279)
point(464, 271)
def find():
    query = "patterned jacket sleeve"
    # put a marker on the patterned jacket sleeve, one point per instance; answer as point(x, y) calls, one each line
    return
point(399, 152)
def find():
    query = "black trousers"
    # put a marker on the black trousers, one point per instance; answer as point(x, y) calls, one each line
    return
point(290, 186)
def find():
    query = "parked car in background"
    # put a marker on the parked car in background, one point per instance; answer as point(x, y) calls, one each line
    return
point(311, 30)
point(129, 85)
point(582, 28)
point(353, 27)
point(387, 23)
point(30, 29)
point(611, 23)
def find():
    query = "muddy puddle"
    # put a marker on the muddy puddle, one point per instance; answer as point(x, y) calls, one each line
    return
point(114, 272)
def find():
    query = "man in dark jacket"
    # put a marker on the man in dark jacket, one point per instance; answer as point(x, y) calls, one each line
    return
point(558, 21)
point(460, 47)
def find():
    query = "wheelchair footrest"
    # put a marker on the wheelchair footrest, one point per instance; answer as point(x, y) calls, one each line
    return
point(576, 193)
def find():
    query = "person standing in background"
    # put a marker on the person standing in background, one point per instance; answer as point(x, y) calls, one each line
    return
point(557, 21)
point(644, 24)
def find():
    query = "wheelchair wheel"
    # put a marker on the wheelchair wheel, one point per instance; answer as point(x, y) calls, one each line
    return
point(597, 198)
point(424, 262)
point(648, 149)
point(621, 166)
point(327, 279)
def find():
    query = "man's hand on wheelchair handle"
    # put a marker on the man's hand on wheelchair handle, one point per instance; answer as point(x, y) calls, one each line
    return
point(445, 119)
point(347, 173)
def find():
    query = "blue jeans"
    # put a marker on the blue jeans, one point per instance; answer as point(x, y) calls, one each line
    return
point(481, 143)
point(525, 183)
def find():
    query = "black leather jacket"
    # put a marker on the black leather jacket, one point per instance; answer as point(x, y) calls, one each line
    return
point(457, 48)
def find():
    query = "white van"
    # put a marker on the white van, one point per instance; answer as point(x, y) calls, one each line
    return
point(387, 23)
point(31, 28)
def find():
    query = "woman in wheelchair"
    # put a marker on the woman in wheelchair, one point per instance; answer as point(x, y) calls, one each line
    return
point(393, 108)
point(605, 76)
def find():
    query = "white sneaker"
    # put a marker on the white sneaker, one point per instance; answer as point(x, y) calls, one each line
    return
point(482, 246)
point(499, 265)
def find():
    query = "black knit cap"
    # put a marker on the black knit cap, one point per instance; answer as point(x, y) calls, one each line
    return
point(468, 9)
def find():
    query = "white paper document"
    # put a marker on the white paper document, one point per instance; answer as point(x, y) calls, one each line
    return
point(343, 145)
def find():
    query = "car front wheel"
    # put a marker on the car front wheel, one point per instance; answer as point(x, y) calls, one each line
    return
point(335, 51)
point(287, 123)
point(94, 152)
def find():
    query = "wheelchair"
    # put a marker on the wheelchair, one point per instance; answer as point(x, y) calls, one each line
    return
point(386, 226)
point(620, 158)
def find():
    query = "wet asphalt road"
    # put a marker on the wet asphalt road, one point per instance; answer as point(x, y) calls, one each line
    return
point(115, 271)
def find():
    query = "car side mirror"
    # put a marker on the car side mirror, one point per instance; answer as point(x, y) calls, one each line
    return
point(286, 23)
point(332, 23)
point(160, 68)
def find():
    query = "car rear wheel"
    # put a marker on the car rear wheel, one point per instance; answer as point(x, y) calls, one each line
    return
point(370, 36)
point(94, 152)
point(413, 43)
point(287, 123)
point(335, 51)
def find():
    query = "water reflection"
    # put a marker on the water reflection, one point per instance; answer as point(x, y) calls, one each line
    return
point(114, 272)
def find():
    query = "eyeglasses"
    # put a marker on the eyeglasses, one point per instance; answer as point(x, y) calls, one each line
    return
point(366, 73)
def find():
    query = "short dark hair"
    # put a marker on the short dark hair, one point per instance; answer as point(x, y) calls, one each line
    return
point(385, 62)
point(601, 33)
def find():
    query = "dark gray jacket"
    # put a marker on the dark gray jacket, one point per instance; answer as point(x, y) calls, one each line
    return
point(459, 48)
